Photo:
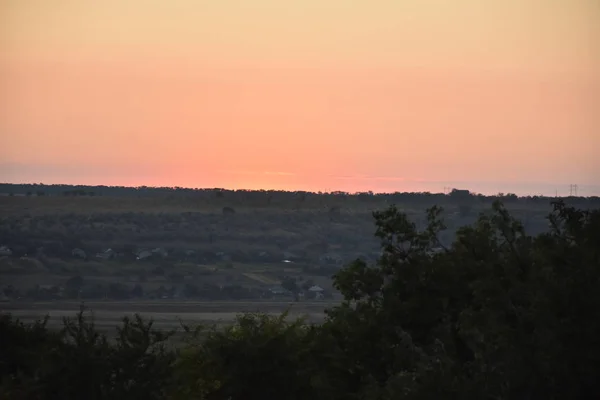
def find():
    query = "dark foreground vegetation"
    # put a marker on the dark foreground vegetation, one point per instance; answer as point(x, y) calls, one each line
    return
point(498, 314)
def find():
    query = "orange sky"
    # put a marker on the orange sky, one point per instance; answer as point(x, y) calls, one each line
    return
point(380, 95)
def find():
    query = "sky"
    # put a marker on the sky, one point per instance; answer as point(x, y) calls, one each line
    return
point(321, 95)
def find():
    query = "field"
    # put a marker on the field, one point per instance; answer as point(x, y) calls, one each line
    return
point(201, 255)
point(165, 314)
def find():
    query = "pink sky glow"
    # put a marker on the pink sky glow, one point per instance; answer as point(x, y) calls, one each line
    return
point(302, 94)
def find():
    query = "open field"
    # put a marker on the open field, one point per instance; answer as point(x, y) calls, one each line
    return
point(165, 314)
point(11, 205)
point(261, 278)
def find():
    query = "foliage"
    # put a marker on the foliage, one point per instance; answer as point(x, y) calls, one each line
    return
point(78, 362)
point(258, 357)
point(499, 314)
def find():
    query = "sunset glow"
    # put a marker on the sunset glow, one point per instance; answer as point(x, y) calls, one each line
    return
point(302, 94)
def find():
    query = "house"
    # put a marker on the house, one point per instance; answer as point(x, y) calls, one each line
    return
point(107, 254)
point(78, 253)
point(279, 291)
point(159, 251)
point(330, 258)
point(144, 255)
point(57, 291)
point(316, 289)
point(316, 292)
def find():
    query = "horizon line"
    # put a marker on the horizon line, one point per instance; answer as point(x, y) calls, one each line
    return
point(326, 191)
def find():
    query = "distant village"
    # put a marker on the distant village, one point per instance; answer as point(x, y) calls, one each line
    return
point(208, 282)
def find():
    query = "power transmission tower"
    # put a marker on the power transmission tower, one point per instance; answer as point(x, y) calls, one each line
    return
point(572, 190)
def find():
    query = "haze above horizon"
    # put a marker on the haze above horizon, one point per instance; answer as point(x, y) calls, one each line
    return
point(387, 96)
